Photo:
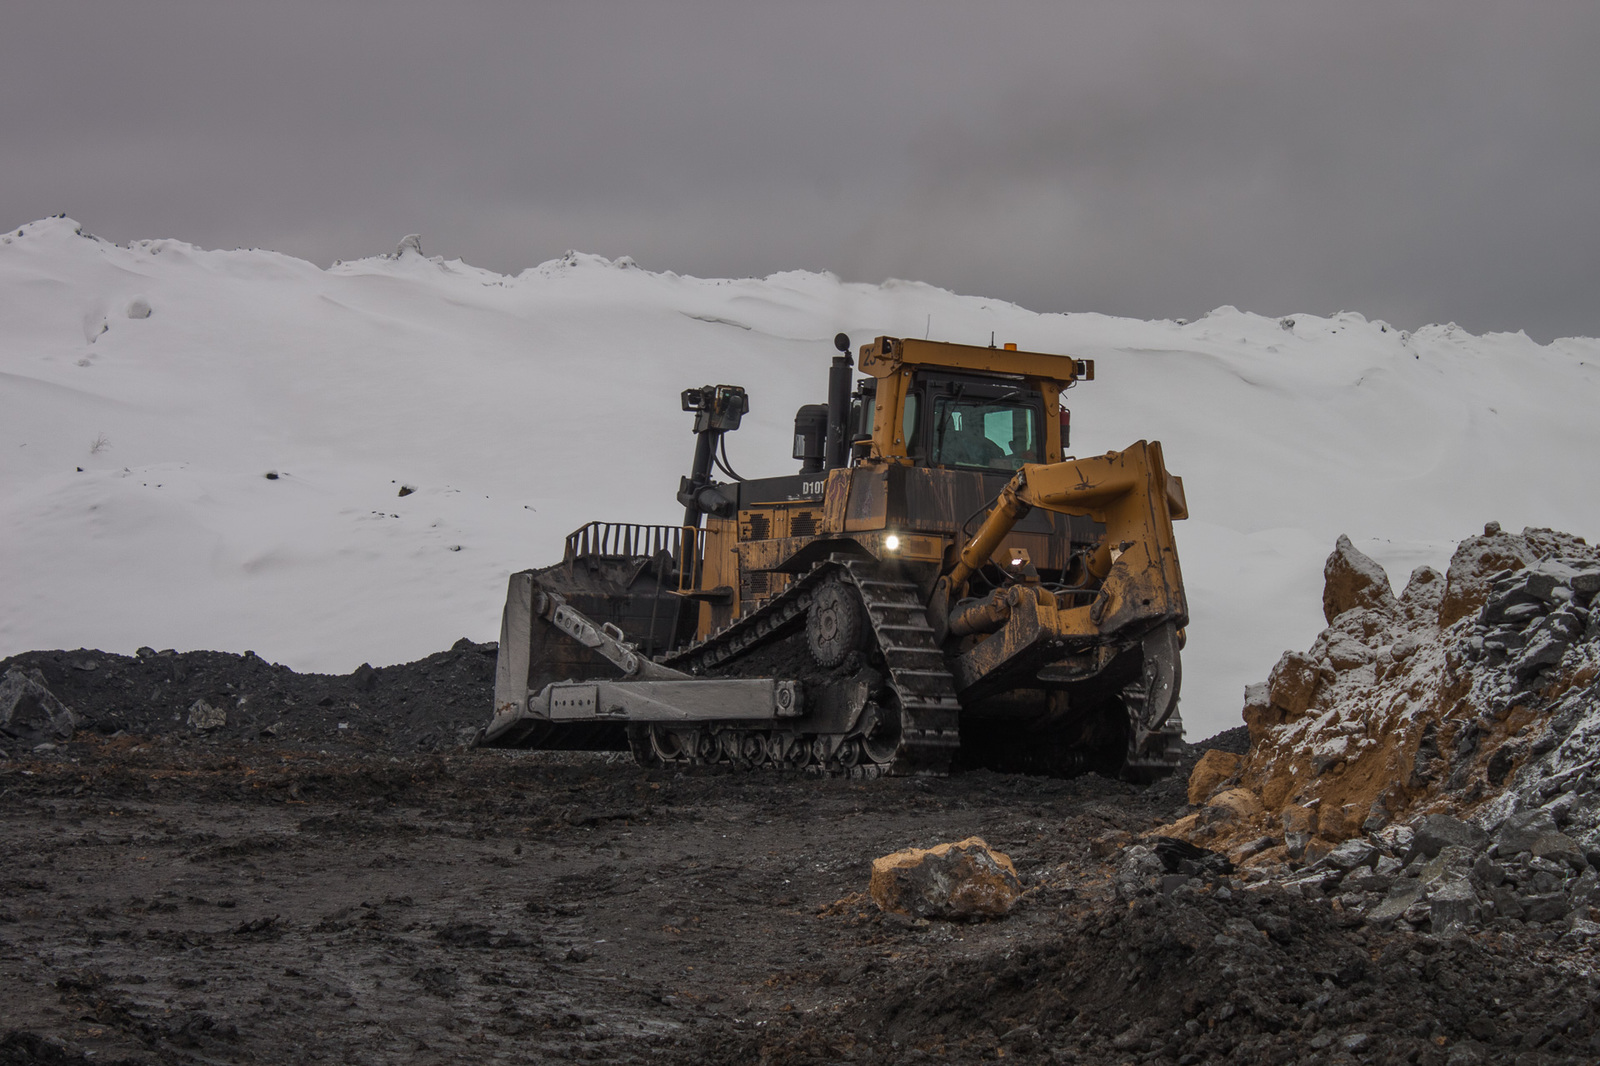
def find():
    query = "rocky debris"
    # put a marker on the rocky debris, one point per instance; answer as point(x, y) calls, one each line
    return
point(1395, 713)
point(1475, 560)
point(963, 879)
point(1151, 966)
point(1432, 763)
point(30, 712)
point(217, 697)
point(1524, 880)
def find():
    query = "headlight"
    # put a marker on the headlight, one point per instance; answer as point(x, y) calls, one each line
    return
point(891, 542)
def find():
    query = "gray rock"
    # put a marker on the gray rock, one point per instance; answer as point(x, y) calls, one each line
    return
point(1451, 864)
point(1507, 904)
point(1580, 929)
point(1558, 847)
point(1520, 613)
point(1361, 880)
point(1417, 913)
point(1486, 873)
point(204, 717)
point(1139, 863)
point(1549, 907)
point(1351, 854)
point(30, 712)
point(1548, 576)
point(1586, 582)
point(1519, 831)
point(1505, 638)
point(1566, 623)
point(1402, 896)
point(1454, 908)
point(1545, 648)
point(1440, 831)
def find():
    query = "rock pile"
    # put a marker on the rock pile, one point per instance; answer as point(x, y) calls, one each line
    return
point(1449, 877)
point(52, 699)
point(1434, 758)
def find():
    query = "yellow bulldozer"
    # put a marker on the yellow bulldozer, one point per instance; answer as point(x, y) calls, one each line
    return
point(940, 585)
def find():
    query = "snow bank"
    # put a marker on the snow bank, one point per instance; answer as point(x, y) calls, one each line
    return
point(148, 394)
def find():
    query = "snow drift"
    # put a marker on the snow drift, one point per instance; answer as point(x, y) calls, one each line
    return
point(208, 448)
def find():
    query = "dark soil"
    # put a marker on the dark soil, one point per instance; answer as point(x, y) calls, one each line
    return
point(353, 895)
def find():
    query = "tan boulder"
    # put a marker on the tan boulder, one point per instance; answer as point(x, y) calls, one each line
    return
point(1236, 805)
point(1423, 593)
point(1212, 770)
point(1259, 713)
point(1293, 683)
point(963, 879)
point(1351, 579)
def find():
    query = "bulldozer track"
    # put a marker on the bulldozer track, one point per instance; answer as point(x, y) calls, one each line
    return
point(917, 673)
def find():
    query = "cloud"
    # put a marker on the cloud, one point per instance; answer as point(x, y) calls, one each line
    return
point(1431, 160)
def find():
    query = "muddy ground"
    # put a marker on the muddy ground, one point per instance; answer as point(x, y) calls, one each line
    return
point(282, 889)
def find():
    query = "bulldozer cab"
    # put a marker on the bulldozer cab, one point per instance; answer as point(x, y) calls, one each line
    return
point(961, 407)
point(973, 423)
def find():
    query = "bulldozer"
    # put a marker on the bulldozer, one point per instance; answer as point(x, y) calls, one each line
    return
point(939, 586)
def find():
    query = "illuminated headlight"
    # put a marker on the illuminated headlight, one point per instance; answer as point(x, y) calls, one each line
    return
point(892, 542)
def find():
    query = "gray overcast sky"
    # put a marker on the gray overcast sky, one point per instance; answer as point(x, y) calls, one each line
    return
point(1417, 162)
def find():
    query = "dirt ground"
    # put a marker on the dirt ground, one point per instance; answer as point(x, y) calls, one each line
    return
point(172, 895)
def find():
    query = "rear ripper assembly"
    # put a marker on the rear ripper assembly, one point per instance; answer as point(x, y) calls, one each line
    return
point(940, 585)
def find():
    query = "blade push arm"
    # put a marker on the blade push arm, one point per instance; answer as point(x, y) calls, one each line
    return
point(1132, 494)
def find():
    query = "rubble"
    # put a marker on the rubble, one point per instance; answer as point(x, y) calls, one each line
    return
point(963, 879)
point(218, 697)
point(1432, 762)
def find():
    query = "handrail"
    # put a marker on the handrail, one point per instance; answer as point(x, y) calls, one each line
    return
point(634, 540)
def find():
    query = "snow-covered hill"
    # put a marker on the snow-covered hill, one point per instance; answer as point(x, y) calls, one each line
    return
point(135, 449)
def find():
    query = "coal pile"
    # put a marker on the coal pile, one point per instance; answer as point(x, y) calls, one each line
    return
point(210, 697)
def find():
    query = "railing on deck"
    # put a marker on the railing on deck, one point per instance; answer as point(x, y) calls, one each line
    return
point(632, 540)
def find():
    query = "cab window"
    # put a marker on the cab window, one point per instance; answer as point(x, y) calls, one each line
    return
point(969, 431)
